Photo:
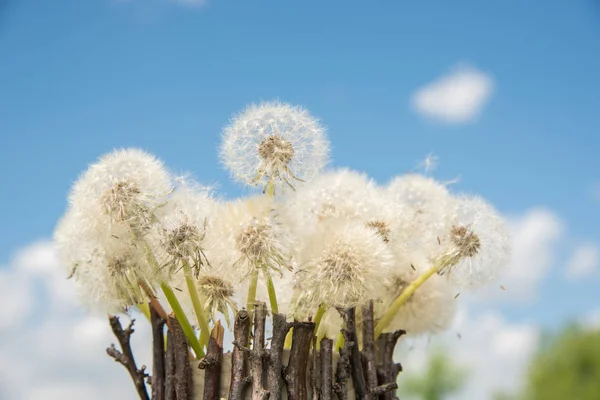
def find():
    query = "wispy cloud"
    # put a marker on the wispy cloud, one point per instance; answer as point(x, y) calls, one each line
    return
point(457, 97)
point(534, 237)
point(191, 3)
point(584, 261)
point(51, 348)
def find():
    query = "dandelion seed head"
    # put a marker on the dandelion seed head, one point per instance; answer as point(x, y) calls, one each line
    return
point(343, 264)
point(274, 142)
point(123, 187)
point(476, 245)
point(430, 309)
point(425, 211)
point(337, 194)
point(245, 236)
point(181, 228)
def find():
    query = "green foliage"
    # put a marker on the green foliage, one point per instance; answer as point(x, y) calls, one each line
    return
point(567, 367)
point(440, 380)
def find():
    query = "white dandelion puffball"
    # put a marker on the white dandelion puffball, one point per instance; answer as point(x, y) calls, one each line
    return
point(124, 187)
point(245, 237)
point(274, 143)
point(426, 210)
point(343, 264)
point(106, 273)
point(336, 194)
point(179, 235)
point(476, 245)
point(430, 309)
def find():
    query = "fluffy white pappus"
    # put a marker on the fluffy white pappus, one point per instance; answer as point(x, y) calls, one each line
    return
point(178, 236)
point(431, 309)
point(337, 194)
point(123, 187)
point(276, 143)
point(106, 271)
point(476, 245)
point(426, 208)
point(343, 264)
point(244, 236)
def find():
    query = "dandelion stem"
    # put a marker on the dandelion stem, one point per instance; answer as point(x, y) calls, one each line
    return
point(272, 294)
point(339, 343)
point(288, 339)
point(387, 318)
point(270, 189)
point(144, 309)
point(319, 316)
point(182, 319)
point(198, 308)
point(252, 295)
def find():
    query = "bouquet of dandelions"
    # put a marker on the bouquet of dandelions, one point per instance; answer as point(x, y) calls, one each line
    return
point(315, 245)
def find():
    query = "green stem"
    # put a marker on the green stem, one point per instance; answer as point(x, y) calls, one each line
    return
point(288, 339)
point(182, 319)
point(319, 316)
point(387, 318)
point(252, 285)
point(339, 343)
point(144, 309)
point(198, 308)
point(272, 294)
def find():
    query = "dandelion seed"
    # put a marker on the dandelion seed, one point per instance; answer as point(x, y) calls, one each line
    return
point(274, 143)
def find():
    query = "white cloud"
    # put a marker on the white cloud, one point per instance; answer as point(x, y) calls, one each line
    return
point(494, 352)
point(49, 347)
point(584, 261)
point(456, 97)
point(534, 237)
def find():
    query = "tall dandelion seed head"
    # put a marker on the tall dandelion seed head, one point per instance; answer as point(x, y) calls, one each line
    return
point(123, 188)
point(343, 264)
point(476, 244)
point(276, 143)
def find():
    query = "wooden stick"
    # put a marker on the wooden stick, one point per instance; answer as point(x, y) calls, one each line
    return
point(125, 356)
point(212, 363)
point(158, 355)
point(295, 372)
point(275, 381)
point(239, 358)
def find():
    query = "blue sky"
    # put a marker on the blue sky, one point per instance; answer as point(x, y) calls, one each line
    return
point(78, 79)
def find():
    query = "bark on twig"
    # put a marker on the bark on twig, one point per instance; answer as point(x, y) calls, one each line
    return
point(315, 371)
point(342, 373)
point(125, 356)
point(241, 329)
point(170, 368)
point(295, 372)
point(275, 382)
point(183, 370)
point(358, 377)
point(158, 355)
point(258, 353)
point(387, 370)
point(212, 363)
point(369, 350)
point(326, 369)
